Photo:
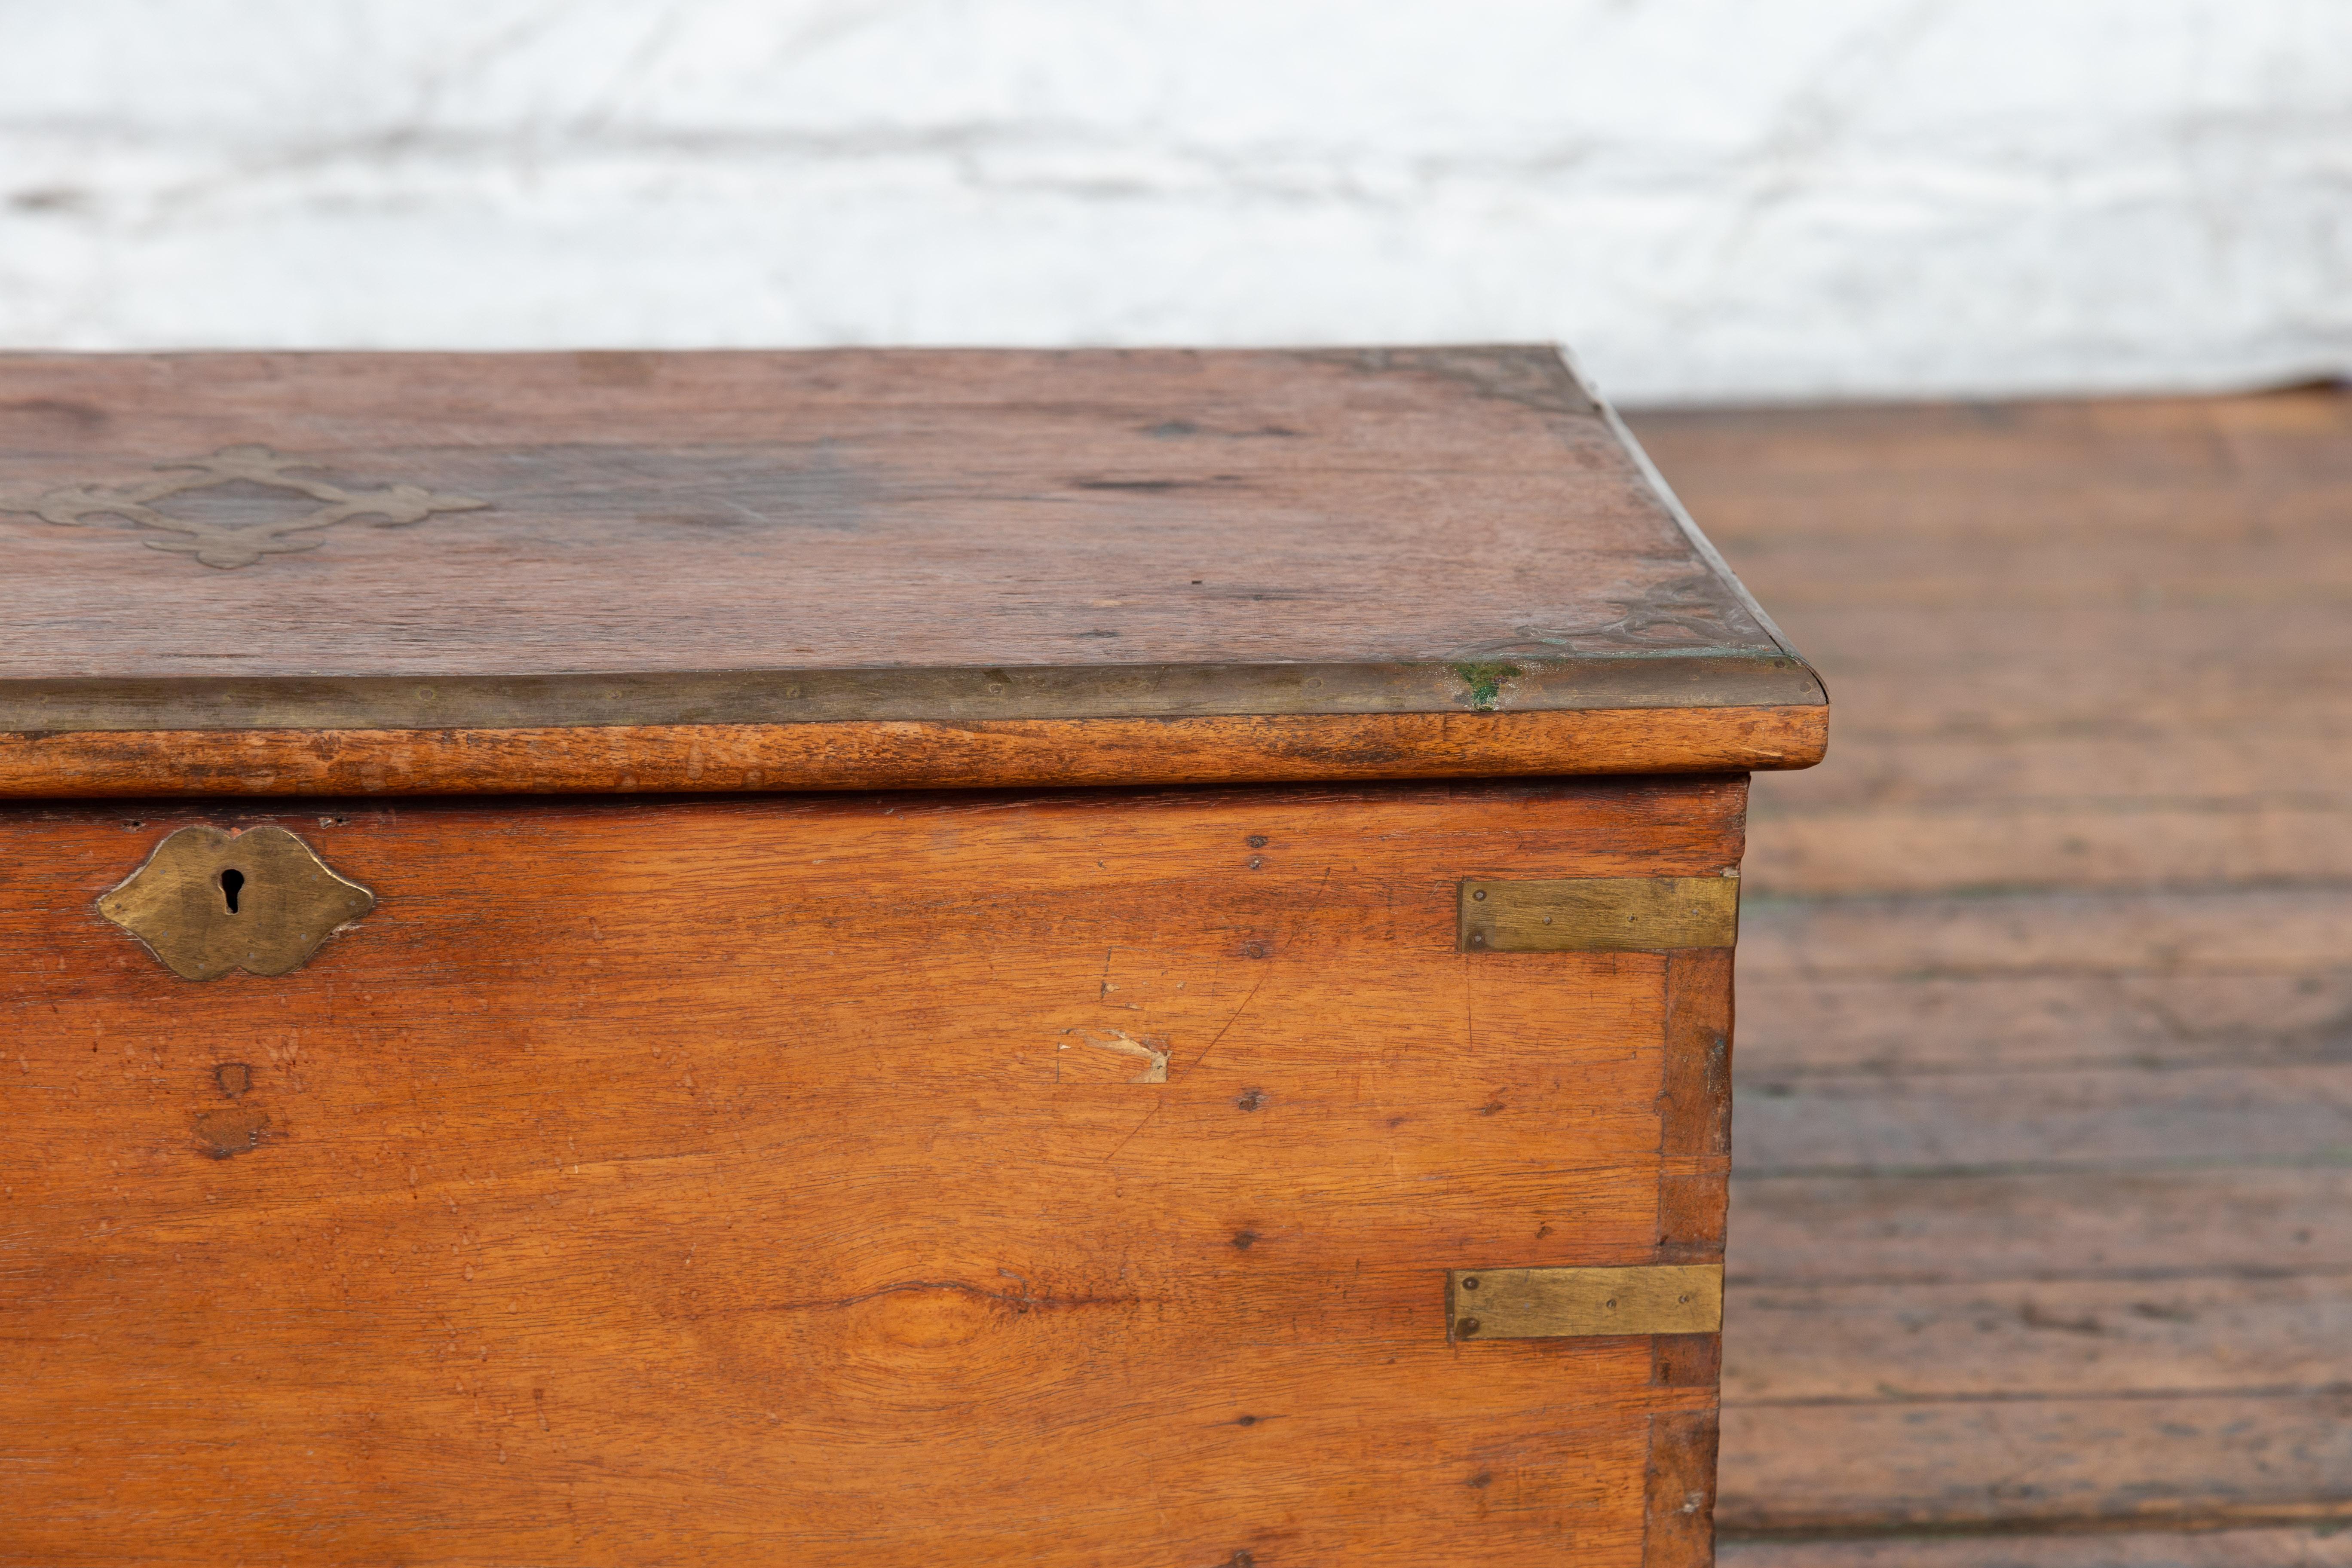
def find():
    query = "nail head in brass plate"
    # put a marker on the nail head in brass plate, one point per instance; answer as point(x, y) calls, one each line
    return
point(1561, 1303)
point(1599, 915)
point(233, 544)
point(208, 901)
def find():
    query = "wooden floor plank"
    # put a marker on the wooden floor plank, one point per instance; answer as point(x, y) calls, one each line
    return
point(2246, 930)
point(1793, 1027)
point(2292, 1546)
point(2164, 703)
point(1945, 646)
point(2202, 1334)
point(2099, 1119)
point(2070, 844)
point(2267, 759)
point(2064, 1225)
point(2264, 1458)
point(2056, 454)
point(2045, 1124)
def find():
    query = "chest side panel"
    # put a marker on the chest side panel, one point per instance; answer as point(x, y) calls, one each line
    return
point(1063, 1180)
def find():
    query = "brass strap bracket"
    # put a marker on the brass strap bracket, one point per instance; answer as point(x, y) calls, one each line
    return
point(1599, 915)
point(1559, 1303)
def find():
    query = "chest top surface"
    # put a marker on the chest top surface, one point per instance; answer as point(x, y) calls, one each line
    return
point(387, 544)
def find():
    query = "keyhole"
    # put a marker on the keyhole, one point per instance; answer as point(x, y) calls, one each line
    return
point(232, 883)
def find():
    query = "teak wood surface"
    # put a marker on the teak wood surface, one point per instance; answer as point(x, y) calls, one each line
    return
point(854, 570)
point(785, 1180)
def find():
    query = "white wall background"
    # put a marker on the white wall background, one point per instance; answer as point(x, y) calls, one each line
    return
point(1708, 199)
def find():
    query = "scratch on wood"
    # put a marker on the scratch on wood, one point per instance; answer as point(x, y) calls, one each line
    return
point(1146, 1058)
point(1024, 1299)
point(1306, 925)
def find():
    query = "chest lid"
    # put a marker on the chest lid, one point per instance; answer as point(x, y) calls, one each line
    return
point(351, 572)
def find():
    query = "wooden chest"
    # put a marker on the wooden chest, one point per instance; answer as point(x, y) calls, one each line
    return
point(863, 958)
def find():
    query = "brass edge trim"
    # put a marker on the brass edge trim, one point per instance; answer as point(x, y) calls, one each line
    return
point(1579, 1303)
point(937, 696)
point(1596, 914)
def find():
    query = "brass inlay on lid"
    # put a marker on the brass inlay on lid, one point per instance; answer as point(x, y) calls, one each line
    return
point(208, 901)
point(228, 544)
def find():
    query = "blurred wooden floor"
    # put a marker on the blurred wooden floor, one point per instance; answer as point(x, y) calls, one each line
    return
point(2041, 1216)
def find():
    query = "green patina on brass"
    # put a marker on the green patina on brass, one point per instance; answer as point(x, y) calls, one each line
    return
point(1485, 682)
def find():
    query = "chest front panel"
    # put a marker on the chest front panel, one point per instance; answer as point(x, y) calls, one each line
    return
point(1067, 1179)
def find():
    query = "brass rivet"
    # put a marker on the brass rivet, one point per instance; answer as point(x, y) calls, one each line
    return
point(1610, 1303)
point(1478, 893)
point(1683, 1299)
point(1466, 1326)
point(1469, 1284)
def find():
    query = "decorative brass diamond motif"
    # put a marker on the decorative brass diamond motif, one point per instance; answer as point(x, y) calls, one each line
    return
point(242, 544)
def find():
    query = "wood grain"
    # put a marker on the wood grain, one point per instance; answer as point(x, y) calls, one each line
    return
point(2087, 1119)
point(696, 1180)
point(1680, 1479)
point(906, 755)
point(2245, 930)
point(2189, 1333)
point(2024, 1460)
point(861, 570)
point(890, 517)
point(1896, 1229)
point(1800, 1027)
point(2127, 845)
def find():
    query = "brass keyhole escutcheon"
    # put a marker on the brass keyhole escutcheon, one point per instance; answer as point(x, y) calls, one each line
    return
point(208, 901)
